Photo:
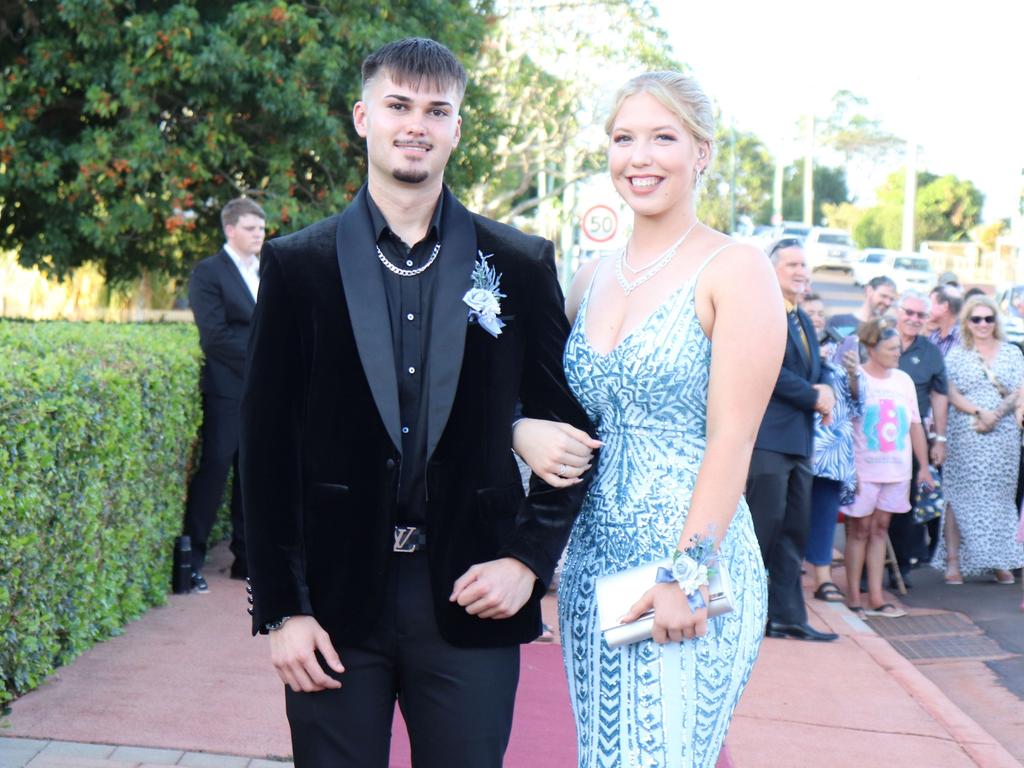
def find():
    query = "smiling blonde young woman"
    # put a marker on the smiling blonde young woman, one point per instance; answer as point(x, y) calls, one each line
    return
point(662, 357)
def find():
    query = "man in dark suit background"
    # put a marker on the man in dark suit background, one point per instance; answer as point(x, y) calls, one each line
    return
point(222, 293)
point(779, 481)
point(392, 553)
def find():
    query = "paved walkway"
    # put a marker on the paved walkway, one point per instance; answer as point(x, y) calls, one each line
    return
point(186, 685)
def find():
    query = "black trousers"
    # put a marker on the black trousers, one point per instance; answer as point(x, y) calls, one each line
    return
point(457, 702)
point(206, 490)
point(908, 537)
point(779, 495)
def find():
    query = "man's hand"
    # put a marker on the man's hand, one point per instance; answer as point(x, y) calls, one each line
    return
point(494, 590)
point(826, 400)
point(292, 651)
point(937, 454)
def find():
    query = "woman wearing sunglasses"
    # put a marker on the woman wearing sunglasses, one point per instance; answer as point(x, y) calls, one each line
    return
point(980, 473)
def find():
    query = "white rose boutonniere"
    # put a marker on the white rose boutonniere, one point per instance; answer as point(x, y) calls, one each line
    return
point(484, 298)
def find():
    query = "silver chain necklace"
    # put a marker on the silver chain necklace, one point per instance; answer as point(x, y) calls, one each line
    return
point(409, 272)
point(651, 269)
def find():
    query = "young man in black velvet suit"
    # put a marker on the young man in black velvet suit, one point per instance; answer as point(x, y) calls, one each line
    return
point(222, 294)
point(392, 553)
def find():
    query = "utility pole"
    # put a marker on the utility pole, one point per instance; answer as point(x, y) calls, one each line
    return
point(909, 196)
point(732, 176)
point(809, 171)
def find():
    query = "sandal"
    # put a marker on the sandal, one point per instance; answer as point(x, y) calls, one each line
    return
point(953, 578)
point(829, 592)
point(886, 611)
point(1005, 578)
point(857, 611)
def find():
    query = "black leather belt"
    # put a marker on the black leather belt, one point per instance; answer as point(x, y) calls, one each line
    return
point(410, 538)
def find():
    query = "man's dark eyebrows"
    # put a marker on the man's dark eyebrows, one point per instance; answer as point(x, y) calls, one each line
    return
point(407, 100)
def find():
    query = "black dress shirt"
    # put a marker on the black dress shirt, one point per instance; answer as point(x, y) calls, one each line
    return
point(409, 302)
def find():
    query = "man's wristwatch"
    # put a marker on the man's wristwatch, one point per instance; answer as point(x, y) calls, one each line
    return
point(273, 626)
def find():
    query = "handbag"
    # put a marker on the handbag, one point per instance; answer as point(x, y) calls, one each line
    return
point(928, 502)
point(617, 592)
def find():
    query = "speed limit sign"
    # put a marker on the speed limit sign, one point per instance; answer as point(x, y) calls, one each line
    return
point(600, 223)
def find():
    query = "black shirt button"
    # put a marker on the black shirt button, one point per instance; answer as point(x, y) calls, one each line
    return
point(390, 464)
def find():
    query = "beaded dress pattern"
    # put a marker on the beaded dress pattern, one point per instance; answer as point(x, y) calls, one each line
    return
point(640, 705)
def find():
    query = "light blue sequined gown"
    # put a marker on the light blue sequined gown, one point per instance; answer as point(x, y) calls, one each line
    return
point(663, 706)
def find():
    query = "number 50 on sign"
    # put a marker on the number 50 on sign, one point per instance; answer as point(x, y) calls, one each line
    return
point(600, 223)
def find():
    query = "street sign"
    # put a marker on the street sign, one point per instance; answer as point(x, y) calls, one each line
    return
point(600, 223)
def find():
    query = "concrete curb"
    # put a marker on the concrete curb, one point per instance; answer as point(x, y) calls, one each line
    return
point(975, 741)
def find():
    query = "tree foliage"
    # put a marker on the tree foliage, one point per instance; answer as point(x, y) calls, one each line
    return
point(829, 186)
point(754, 169)
point(125, 125)
point(945, 208)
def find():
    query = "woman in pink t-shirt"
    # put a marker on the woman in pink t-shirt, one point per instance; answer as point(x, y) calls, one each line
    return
point(883, 440)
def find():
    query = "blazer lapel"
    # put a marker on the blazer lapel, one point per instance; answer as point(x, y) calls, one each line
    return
point(795, 324)
point(363, 284)
point(449, 315)
point(236, 279)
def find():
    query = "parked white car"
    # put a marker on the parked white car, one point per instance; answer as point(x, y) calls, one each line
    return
point(1011, 305)
point(910, 271)
point(829, 249)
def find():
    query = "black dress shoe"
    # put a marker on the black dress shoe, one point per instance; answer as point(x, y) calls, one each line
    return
point(798, 631)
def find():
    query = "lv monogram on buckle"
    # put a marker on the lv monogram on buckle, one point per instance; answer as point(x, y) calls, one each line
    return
point(405, 538)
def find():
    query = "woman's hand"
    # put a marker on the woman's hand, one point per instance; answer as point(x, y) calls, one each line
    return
point(557, 453)
point(674, 620)
point(985, 421)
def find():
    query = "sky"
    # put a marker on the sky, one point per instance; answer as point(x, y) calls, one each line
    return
point(949, 74)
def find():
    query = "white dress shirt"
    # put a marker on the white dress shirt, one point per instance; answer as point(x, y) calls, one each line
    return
point(250, 273)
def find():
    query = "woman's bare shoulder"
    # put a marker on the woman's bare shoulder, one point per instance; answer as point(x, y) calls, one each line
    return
point(580, 282)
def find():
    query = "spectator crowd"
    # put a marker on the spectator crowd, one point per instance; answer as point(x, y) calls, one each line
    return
point(919, 453)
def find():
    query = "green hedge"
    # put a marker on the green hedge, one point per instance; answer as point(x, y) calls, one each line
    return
point(97, 423)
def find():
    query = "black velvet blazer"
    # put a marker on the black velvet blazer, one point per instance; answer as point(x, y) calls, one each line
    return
point(222, 306)
point(320, 450)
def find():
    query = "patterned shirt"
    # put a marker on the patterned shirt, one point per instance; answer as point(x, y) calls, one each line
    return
point(945, 343)
point(833, 444)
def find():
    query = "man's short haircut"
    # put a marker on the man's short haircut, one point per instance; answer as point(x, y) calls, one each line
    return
point(782, 244)
point(877, 282)
point(813, 297)
point(237, 208)
point(912, 295)
point(410, 61)
point(950, 296)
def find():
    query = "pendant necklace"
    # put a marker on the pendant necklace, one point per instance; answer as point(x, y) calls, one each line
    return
point(651, 269)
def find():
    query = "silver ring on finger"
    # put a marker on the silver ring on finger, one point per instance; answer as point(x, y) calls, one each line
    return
point(562, 469)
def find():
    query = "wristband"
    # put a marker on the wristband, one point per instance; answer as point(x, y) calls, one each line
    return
point(939, 438)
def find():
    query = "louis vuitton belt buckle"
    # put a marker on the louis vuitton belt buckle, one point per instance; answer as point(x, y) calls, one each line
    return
point(409, 538)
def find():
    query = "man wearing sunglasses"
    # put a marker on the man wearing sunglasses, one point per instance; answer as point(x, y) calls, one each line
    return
point(923, 362)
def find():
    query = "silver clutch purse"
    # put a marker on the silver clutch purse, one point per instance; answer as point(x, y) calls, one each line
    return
point(617, 592)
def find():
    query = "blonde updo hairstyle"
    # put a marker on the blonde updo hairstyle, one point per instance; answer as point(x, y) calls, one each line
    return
point(967, 330)
point(679, 94)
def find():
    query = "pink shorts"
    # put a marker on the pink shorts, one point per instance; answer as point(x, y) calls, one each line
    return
point(888, 497)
